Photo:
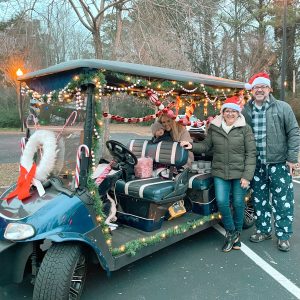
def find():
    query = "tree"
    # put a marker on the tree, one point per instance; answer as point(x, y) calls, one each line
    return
point(92, 17)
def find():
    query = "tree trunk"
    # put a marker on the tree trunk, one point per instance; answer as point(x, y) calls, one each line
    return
point(119, 26)
point(290, 49)
point(98, 44)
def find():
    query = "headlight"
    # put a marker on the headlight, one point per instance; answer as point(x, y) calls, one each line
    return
point(18, 231)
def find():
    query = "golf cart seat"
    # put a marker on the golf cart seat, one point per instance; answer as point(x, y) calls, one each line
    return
point(144, 202)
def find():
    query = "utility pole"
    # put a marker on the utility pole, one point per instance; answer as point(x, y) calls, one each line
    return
point(283, 60)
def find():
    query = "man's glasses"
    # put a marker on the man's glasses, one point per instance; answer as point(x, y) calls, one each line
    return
point(260, 87)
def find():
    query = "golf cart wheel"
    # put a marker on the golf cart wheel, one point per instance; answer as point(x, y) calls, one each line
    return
point(248, 215)
point(62, 273)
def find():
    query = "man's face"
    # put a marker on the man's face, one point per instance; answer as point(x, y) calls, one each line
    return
point(260, 93)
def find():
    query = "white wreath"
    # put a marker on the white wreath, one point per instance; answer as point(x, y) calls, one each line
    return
point(47, 140)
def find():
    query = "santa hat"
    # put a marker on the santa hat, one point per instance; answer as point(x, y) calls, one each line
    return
point(233, 103)
point(259, 78)
point(156, 126)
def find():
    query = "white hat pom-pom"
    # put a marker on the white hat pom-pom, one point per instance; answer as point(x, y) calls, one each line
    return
point(248, 86)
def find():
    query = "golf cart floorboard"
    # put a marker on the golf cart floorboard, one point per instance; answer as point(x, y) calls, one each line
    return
point(124, 233)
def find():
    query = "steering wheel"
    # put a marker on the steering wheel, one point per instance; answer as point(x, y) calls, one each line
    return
point(120, 153)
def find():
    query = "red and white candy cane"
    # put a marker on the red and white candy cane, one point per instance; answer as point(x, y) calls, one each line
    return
point(74, 115)
point(34, 119)
point(104, 174)
point(78, 159)
point(23, 144)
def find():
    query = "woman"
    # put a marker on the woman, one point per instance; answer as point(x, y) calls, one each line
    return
point(178, 132)
point(234, 156)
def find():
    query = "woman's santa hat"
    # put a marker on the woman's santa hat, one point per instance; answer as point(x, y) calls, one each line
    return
point(259, 78)
point(233, 103)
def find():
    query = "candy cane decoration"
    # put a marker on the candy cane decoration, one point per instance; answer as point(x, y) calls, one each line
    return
point(73, 113)
point(23, 144)
point(103, 175)
point(78, 159)
point(35, 120)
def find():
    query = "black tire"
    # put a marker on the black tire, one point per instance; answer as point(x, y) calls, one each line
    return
point(249, 219)
point(62, 273)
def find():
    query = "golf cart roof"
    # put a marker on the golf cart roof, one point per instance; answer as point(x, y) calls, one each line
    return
point(57, 76)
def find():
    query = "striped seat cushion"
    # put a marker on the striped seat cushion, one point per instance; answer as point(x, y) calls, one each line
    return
point(150, 189)
point(165, 152)
point(200, 181)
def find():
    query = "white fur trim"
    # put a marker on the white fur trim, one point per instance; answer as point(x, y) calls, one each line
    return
point(47, 140)
point(261, 80)
point(232, 106)
point(248, 86)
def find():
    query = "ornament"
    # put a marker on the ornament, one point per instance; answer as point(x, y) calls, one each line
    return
point(152, 96)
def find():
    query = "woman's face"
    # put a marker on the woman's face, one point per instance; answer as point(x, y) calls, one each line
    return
point(230, 115)
point(166, 122)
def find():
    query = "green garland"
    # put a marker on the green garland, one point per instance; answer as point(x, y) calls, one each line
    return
point(91, 185)
point(167, 85)
point(134, 246)
point(86, 78)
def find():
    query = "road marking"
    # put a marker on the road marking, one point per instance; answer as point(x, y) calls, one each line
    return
point(4, 187)
point(297, 181)
point(280, 278)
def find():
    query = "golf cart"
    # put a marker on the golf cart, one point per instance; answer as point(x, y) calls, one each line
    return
point(71, 205)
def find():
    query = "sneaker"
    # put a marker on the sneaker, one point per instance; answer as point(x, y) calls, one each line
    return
point(231, 238)
point(283, 245)
point(260, 237)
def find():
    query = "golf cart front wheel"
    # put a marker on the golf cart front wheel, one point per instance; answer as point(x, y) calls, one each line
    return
point(62, 273)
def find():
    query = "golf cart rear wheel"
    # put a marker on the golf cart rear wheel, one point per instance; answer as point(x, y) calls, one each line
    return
point(62, 273)
point(248, 215)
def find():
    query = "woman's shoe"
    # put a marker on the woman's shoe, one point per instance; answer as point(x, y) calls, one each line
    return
point(231, 238)
point(237, 245)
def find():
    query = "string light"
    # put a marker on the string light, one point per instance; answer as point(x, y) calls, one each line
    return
point(99, 219)
point(114, 88)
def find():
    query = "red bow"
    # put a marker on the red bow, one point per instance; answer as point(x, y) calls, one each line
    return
point(23, 183)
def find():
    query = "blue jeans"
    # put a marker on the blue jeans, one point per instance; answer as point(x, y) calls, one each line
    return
point(226, 190)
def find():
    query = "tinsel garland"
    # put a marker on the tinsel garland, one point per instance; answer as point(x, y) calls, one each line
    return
point(132, 247)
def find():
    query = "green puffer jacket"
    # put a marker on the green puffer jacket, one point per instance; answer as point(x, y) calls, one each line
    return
point(283, 136)
point(234, 154)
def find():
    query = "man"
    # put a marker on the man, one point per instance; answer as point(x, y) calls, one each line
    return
point(277, 139)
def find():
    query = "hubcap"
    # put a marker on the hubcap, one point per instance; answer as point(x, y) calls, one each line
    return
point(78, 278)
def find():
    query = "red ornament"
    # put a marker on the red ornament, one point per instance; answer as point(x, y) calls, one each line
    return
point(171, 114)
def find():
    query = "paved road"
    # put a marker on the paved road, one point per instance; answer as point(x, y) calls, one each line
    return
point(196, 269)
point(10, 150)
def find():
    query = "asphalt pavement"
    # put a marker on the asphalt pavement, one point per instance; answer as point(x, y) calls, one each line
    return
point(194, 268)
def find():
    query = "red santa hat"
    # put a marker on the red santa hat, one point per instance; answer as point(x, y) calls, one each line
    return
point(233, 103)
point(259, 78)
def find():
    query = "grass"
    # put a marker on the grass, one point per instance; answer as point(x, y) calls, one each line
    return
point(9, 129)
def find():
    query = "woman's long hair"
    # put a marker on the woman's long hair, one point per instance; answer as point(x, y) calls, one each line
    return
point(176, 129)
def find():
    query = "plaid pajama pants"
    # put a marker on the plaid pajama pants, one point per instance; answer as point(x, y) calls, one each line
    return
point(273, 192)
